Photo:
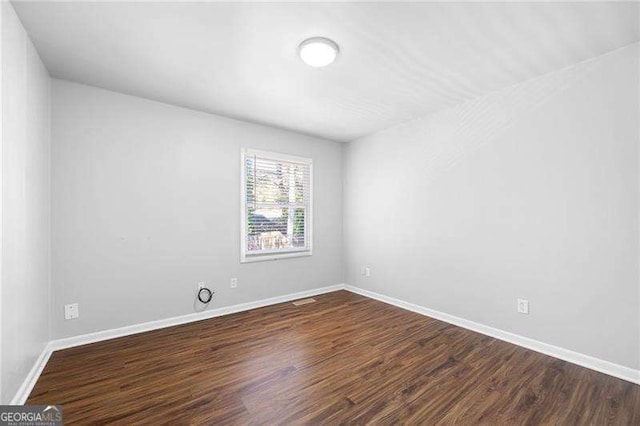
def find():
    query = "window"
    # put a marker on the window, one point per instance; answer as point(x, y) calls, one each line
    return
point(276, 206)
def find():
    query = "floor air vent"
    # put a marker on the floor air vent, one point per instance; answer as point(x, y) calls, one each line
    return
point(304, 301)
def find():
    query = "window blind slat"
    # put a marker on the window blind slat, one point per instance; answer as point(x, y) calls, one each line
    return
point(277, 204)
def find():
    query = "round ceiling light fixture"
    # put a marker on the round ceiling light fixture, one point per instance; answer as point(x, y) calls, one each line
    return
point(318, 51)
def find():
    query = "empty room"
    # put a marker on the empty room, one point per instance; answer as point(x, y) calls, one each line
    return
point(319, 213)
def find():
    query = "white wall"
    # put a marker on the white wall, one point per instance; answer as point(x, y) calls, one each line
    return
point(146, 200)
point(530, 192)
point(25, 204)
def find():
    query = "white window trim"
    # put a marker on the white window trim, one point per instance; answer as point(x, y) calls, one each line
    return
point(282, 253)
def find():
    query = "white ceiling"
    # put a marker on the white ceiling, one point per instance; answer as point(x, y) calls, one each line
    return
point(398, 60)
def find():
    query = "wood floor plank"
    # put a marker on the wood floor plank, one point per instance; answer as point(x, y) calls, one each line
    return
point(343, 359)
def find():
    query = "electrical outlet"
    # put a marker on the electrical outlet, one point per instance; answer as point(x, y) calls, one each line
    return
point(71, 311)
point(367, 272)
point(523, 306)
point(234, 282)
point(200, 286)
point(362, 270)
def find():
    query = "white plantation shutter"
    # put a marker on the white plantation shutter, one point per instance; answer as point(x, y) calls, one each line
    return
point(276, 205)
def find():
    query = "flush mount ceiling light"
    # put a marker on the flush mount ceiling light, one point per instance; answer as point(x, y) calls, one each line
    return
point(318, 51)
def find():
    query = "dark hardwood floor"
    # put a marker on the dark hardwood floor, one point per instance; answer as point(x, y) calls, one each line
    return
point(343, 359)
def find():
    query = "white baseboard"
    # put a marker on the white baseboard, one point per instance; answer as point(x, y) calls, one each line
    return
point(54, 345)
point(606, 367)
point(28, 384)
point(592, 363)
point(183, 319)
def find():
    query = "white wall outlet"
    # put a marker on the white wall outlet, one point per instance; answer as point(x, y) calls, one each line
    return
point(71, 311)
point(200, 285)
point(367, 272)
point(234, 282)
point(362, 270)
point(523, 306)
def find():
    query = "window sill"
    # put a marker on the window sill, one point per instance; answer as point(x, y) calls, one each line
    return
point(277, 256)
